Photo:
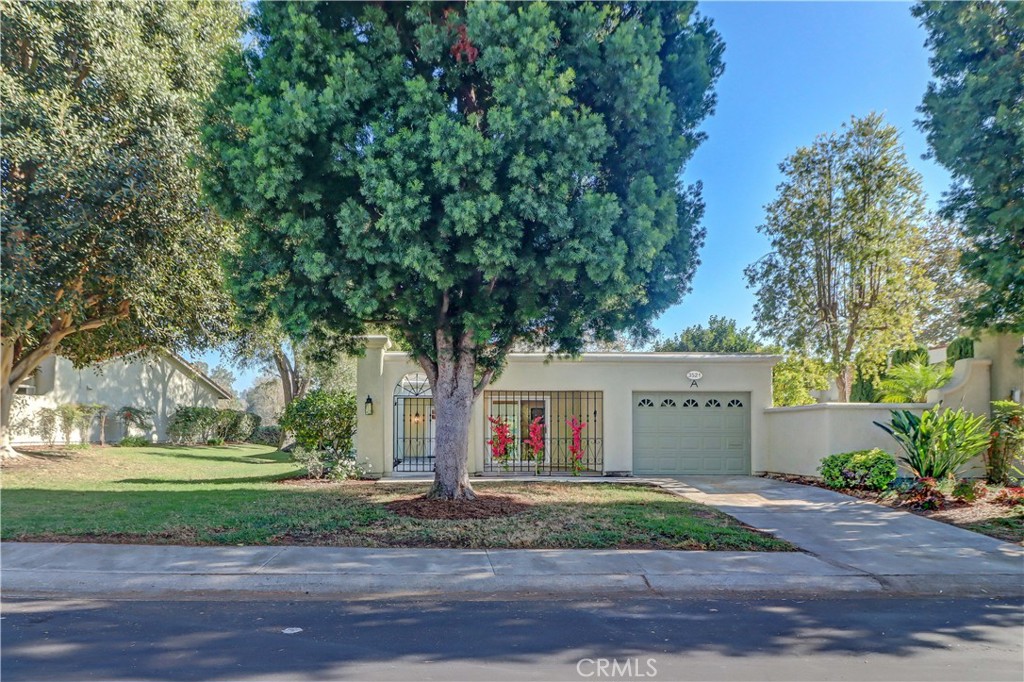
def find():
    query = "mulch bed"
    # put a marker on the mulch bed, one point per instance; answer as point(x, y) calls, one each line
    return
point(485, 506)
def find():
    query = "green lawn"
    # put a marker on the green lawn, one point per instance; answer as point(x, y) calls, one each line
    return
point(233, 495)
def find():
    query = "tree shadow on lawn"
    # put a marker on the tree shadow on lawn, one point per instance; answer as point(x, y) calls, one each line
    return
point(269, 478)
point(184, 452)
point(690, 639)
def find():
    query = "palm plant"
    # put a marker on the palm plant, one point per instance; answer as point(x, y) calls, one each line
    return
point(910, 382)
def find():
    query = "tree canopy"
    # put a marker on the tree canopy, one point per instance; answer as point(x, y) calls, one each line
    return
point(474, 175)
point(972, 116)
point(842, 281)
point(106, 247)
point(722, 335)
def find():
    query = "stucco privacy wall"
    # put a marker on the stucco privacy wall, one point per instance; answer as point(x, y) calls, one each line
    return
point(616, 375)
point(160, 383)
point(1007, 372)
point(799, 437)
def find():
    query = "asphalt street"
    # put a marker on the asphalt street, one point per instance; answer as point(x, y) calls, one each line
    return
point(866, 639)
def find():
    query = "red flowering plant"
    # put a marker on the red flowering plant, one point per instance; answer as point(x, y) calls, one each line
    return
point(576, 449)
point(533, 444)
point(501, 442)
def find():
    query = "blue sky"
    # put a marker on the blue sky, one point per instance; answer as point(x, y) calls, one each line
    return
point(792, 71)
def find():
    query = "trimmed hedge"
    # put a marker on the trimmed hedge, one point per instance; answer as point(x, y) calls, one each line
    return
point(322, 420)
point(205, 424)
point(870, 469)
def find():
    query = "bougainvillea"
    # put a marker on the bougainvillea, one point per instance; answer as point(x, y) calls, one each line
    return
point(533, 444)
point(501, 442)
point(576, 449)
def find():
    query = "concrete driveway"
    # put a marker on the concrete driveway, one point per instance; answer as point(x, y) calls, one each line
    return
point(898, 548)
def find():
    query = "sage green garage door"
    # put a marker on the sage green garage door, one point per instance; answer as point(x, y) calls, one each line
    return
point(691, 433)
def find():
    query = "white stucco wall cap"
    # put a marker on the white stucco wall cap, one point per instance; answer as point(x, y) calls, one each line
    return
point(850, 406)
point(715, 358)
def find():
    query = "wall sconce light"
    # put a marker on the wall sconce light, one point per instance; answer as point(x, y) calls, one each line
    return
point(368, 406)
point(416, 418)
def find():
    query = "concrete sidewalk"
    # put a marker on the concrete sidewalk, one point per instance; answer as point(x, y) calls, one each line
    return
point(851, 547)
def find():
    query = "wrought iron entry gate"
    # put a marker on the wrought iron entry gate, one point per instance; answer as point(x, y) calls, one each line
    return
point(414, 433)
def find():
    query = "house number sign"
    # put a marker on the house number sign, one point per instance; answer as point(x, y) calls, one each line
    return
point(694, 376)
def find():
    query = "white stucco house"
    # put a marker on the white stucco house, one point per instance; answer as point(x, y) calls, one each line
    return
point(645, 413)
point(161, 382)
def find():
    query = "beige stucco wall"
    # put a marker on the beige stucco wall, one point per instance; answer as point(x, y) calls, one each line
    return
point(616, 375)
point(799, 437)
point(970, 387)
point(1007, 375)
point(160, 383)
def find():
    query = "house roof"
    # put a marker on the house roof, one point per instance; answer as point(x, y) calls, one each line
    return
point(197, 374)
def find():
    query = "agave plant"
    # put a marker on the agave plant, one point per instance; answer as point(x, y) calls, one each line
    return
point(940, 442)
point(910, 382)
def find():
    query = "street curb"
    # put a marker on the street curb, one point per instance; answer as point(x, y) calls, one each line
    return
point(29, 583)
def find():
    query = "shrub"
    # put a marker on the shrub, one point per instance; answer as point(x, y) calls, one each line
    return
point(192, 424)
point(87, 413)
point(923, 493)
point(236, 425)
point(266, 435)
point(134, 442)
point(959, 349)
point(1006, 453)
point(329, 464)
point(1010, 495)
point(905, 356)
point(46, 424)
point(215, 441)
point(969, 491)
point(134, 417)
point(939, 443)
point(870, 469)
point(322, 420)
point(67, 415)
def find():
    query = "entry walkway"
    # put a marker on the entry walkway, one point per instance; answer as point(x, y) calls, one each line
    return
point(905, 552)
point(851, 547)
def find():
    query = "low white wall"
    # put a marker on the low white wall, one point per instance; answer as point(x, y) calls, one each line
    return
point(799, 437)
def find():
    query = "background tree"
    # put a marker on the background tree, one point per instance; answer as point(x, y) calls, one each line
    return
point(720, 336)
point(841, 280)
point(106, 249)
point(941, 313)
point(972, 117)
point(471, 175)
point(909, 382)
point(794, 379)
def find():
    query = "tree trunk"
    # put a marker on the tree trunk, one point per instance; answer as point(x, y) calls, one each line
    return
point(454, 393)
point(844, 383)
point(7, 451)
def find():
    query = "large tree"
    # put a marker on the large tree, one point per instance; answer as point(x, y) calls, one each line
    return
point(974, 120)
point(722, 335)
point(940, 314)
point(106, 249)
point(471, 174)
point(842, 281)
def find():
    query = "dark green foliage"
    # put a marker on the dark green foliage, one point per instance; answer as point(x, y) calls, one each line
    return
point(940, 442)
point(869, 469)
point(266, 435)
point(905, 356)
point(924, 493)
point(864, 389)
point(493, 172)
point(972, 117)
point(106, 246)
point(202, 424)
point(133, 442)
point(322, 420)
point(720, 336)
point(959, 349)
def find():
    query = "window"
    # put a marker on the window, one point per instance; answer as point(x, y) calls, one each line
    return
point(645, 402)
point(690, 402)
point(668, 402)
point(712, 403)
point(735, 403)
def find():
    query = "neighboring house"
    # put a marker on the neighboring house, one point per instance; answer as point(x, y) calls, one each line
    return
point(161, 382)
point(645, 413)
